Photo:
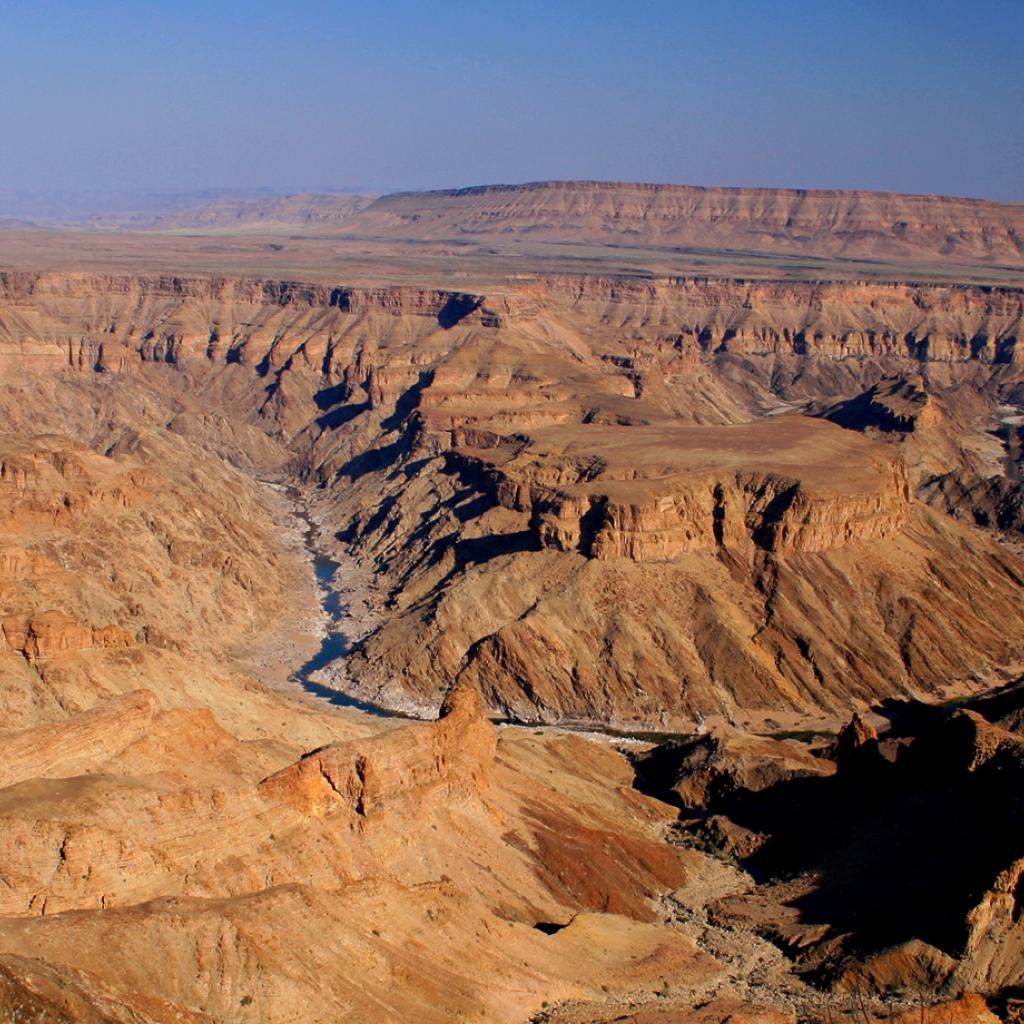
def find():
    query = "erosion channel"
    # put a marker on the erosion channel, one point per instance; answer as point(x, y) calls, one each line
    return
point(335, 643)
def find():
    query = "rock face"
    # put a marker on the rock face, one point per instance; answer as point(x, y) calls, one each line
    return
point(995, 502)
point(114, 322)
point(649, 494)
point(44, 634)
point(154, 797)
point(858, 886)
point(112, 573)
point(773, 220)
point(411, 766)
point(900, 404)
point(528, 471)
point(706, 562)
point(725, 767)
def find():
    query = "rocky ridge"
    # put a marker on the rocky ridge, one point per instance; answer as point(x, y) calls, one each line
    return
point(467, 441)
point(776, 220)
point(819, 824)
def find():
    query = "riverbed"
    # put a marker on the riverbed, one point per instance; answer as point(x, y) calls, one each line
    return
point(335, 643)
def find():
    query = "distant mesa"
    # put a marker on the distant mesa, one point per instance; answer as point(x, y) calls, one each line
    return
point(742, 222)
point(872, 225)
point(328, 209)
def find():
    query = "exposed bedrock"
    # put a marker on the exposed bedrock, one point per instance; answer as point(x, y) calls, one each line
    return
point(756, 615)
point(890, 858)
point(649, 495)
point(832, 222)
point(406, 768)
point(114, 322)
point(575, 493)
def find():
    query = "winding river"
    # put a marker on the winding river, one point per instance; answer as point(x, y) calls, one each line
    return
point(335, 643)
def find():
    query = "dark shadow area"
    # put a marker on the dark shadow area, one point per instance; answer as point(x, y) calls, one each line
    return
point(341, 415)
point(477, 550)
point(1004, 706)
point(375, 458)
point(413, 466)
point(549, 927)
point(327, 398)
point(376, 521)
point(655, 772)
point(407, 402)
point(457, 308)
point(473, 508)
point(764, 532)
point(590, 524)
point(902, 842)
point(1005, 351)
point(718, 516)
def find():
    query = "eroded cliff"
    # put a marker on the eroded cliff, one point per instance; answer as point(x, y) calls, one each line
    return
point(775, 220)
point(579, 499)
point(572, 493)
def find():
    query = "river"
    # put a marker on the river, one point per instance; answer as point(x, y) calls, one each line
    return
point(336, 644)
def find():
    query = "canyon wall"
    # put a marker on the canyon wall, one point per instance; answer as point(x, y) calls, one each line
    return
point(113, 321)
point(577, 494)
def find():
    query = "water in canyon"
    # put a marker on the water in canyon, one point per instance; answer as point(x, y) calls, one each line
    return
point(335, 643)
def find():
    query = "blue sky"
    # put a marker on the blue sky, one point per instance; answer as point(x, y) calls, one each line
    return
point(909, 96)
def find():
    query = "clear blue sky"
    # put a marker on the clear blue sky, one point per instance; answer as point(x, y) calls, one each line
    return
point(909, 95)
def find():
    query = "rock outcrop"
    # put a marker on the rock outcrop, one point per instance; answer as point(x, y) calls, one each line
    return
point(651, 494)
point(44, 634)
point(401, 771)
point(892, 862)
point(725, 767)
point(109, 322)
point(900, 404)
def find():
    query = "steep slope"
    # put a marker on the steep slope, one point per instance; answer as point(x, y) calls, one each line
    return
point(893, 857)
point(134, 559)
point(531, 474)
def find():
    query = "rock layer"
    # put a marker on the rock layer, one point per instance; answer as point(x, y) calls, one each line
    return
point(773, 220)
point(447, 760)
point(651, 494)
point(469, 440)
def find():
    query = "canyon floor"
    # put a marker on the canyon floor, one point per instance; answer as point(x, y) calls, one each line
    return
point(557, 603)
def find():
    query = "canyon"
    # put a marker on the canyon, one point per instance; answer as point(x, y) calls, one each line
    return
point(680, 577)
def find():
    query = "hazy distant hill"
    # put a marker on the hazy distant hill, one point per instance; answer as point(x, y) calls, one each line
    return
point(214, 209)
point(825, 223)
point(330, 209)
point(884, 226)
